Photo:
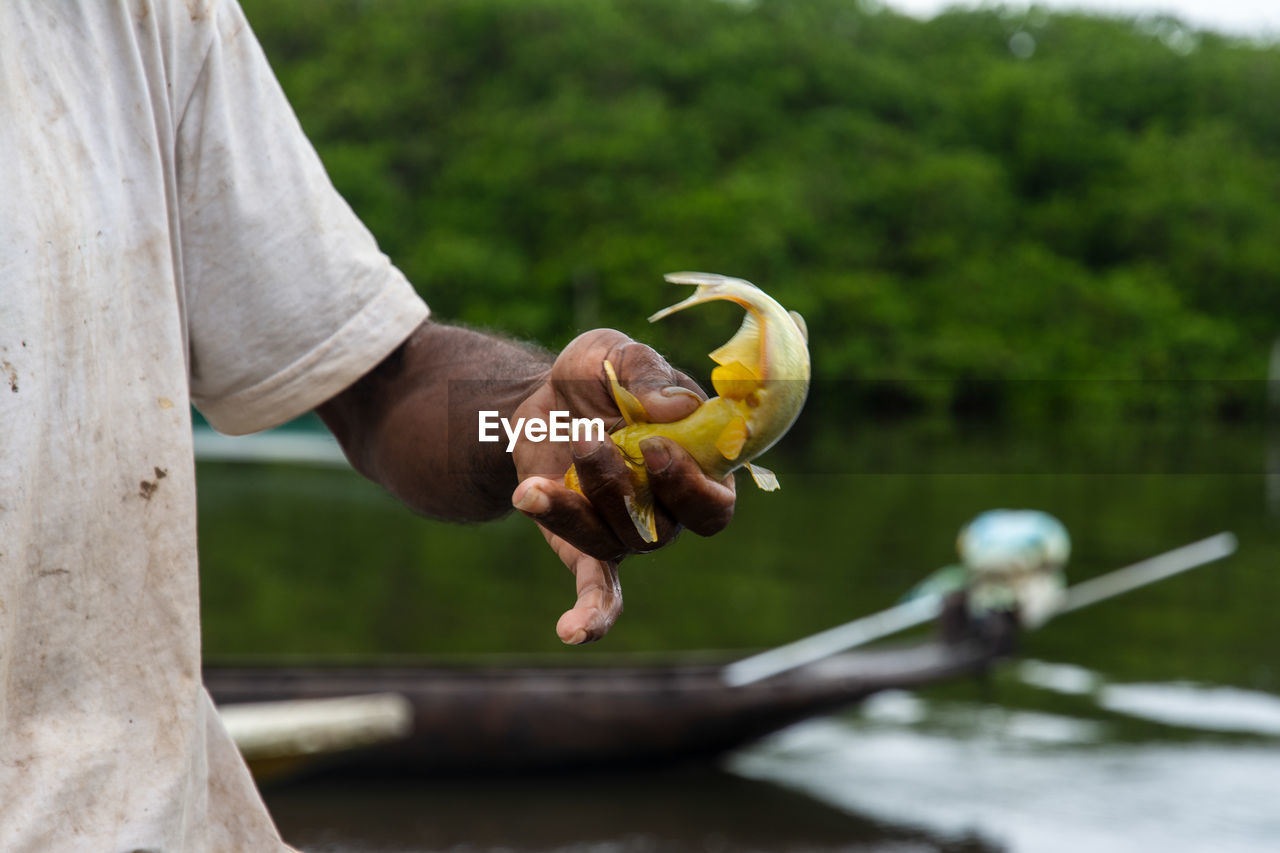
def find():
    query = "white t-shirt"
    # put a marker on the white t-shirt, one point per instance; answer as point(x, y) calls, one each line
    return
point(167, 235)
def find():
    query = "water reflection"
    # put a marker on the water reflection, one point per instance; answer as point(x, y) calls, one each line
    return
point(1075, 777)
point(1173, 749)
point(1045, 758)
point(675, 812)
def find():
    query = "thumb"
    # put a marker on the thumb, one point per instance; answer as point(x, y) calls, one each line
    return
point(665, 393)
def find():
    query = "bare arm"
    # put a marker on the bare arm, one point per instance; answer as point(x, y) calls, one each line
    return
point(410, 424)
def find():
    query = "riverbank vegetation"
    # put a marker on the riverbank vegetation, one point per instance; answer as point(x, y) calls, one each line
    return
point(989, 202)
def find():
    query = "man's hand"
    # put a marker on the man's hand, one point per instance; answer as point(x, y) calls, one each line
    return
point(411, 425)
point(591, 532)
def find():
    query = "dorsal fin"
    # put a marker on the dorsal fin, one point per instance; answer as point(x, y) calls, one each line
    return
point(800, 324)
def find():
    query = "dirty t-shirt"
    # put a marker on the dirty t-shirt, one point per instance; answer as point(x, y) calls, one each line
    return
point(167, 236)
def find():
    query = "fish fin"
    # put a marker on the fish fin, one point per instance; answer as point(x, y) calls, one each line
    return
point(710, 288)
point(763, 322)
point(765, 479)
point(734, 380)
point(628, 404)
point(643, 517)
point(704, 278)
point(800, 324)
point(730, 440)
point(745, 347)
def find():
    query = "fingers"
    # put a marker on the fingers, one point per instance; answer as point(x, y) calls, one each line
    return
point(567, 514)
point(579, 377)
point(598, 521)
point(599, 591)
point(599, 594)
point(701, 504)
point(593, 530)
point(608, 485)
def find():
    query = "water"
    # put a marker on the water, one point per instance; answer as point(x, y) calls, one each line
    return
point(1103, 766)
point(678, 812)
point(1147, 723)
point(1050, 781)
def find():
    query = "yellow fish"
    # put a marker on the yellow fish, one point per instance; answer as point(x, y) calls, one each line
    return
point(762, 378)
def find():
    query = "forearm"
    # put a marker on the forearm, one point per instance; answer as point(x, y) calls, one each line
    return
point(411, 423)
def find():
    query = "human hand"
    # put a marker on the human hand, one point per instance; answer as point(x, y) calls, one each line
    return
point(592, 532)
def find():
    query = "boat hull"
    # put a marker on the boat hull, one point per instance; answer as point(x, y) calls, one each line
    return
point(512, 718)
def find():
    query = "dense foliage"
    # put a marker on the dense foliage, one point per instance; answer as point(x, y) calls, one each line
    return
point(986, 196)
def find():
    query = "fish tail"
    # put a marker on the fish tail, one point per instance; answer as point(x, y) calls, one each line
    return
point(710, 288)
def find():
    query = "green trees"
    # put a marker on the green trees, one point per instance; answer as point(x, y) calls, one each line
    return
point(982, 197)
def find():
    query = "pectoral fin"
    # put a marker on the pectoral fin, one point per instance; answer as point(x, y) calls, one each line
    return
point(734, 380)
point(730, 440)
point(642, 516)
point(764, 478)
point(627, 403)
point(745, 346)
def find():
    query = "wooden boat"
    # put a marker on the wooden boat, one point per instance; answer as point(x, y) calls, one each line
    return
point(539, 717)
point(504, 718)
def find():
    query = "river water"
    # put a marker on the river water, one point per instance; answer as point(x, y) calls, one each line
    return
point(1151, 722)
point(1172, 767)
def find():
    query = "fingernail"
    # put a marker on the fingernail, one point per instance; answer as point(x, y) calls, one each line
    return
point(533, 501)
point(679, 391)
point(578, 638)
point(656, 456)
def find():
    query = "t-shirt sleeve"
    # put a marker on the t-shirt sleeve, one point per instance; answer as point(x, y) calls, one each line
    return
point(287, 298)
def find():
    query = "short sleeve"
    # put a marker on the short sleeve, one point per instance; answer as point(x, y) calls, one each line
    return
point(287, 298)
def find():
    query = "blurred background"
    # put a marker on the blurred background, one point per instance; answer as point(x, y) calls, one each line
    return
point(1037, 252)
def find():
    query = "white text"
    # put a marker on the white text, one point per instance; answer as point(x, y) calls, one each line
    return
point(560, 427)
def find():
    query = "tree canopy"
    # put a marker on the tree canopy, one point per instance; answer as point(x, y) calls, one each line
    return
point(987, 196)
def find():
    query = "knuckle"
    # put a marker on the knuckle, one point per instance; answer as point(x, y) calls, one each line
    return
point(598, 464)
point(586, 533)
point(641, 363)
point(712, 523)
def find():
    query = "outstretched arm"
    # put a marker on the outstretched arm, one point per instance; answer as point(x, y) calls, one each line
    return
point(411, 424)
